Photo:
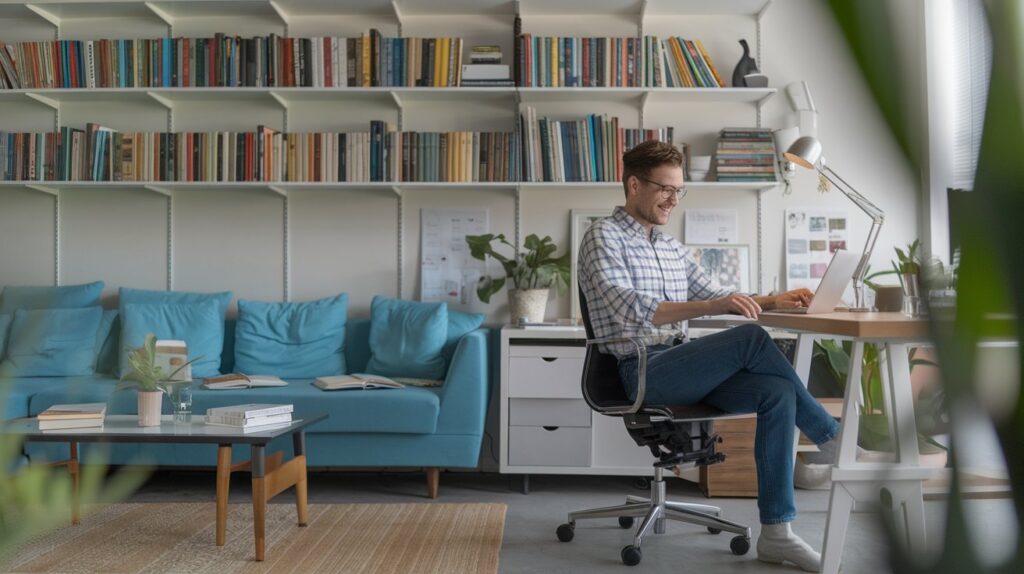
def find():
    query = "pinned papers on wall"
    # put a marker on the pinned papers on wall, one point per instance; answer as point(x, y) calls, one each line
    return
point(812, 236)
point(710, 226)
point(447, 271)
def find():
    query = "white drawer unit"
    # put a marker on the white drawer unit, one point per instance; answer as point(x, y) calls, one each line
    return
point(545, 425)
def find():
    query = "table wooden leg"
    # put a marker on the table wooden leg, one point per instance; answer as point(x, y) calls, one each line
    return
point(259, 499)
point(299, 446)
point(223, 488)
point(76, 499)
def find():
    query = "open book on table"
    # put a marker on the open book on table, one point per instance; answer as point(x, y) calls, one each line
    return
point(240, 381)
point(355, 381)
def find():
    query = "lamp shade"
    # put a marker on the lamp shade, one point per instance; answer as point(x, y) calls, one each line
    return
point(805, 152)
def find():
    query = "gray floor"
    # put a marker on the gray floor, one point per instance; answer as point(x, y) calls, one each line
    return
point(530, 544)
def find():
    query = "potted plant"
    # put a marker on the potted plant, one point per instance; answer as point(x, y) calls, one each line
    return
point(908, 267)
point(532, 274)
point(148, 377)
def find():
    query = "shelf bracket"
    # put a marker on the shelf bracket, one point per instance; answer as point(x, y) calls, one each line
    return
point(397, 190)
point(161, 13)
point(48, 190)
point(280, 99)
point(46, 101)
point(643, 107)
point(164, 191)
point(396, 98)
point(161, 99)
point(281, 14)
point(398, 15)
point(45, 14)
point(278, 190)
point(643, 16)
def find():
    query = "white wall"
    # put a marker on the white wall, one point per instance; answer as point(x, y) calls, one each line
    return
point(348, 240)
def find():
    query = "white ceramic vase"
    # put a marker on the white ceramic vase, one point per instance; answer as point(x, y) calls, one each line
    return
point(149, 408)
point(527, 303)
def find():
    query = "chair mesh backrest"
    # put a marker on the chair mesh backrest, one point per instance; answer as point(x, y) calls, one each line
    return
point(601, 385)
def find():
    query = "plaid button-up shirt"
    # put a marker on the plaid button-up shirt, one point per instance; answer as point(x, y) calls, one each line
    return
point(625, 275)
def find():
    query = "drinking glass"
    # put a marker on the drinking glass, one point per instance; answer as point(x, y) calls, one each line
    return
point(181, 402)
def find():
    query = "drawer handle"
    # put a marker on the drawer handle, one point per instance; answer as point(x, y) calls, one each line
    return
point(549, 359)
point(550, 429)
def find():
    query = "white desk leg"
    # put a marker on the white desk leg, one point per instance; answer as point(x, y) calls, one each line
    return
point(840, 505)
point(910, 497)
point(883, 372)
point(803, 355)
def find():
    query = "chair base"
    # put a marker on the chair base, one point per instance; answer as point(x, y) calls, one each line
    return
point(655, 511)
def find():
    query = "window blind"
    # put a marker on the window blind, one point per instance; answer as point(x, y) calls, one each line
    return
point(972, 49)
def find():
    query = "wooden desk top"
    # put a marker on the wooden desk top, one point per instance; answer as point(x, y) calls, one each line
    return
point(860, 325)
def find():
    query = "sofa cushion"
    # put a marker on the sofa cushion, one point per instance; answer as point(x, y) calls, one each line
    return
point(200, 325)
point(106, 342)
point(52, 342)
point(17, 392)
point(151, 297)
point(5, 327)
point(406, 338)
point(459, 324)
point(291, 340)
point(65, 390)
point(49, 297)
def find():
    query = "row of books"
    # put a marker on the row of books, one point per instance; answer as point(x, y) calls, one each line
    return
point(745, 154)
point(232, 61)
point(585, 150)
point(98, 153)
point(614, 62)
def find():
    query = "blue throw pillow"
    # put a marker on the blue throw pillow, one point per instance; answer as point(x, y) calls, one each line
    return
point(406, 338)
point(200, 325)
point(106, 342)
point(5, 325)
point(42, 297)
point(151, 297)
point(52, 342)
point(291, 340)
point(459, 324)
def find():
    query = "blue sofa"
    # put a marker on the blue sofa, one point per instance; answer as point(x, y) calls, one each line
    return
point(428, 427)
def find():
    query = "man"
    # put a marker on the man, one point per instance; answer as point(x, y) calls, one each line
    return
point(638, 281)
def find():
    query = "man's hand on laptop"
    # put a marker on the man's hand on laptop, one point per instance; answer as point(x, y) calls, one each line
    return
point(795, 298)
point(738, 304)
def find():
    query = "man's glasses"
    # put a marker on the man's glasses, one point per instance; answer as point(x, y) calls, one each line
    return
point(666, 191)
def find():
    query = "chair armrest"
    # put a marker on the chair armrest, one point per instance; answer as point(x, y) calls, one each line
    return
point(465, 391)
point(640, 342)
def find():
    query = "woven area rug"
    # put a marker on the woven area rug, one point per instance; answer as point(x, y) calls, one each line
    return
point(373, 538)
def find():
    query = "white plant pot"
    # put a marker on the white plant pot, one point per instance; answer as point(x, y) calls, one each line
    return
point(527, 303)
point(149, 408)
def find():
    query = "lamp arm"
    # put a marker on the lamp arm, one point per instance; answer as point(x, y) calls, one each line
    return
point(877, 218)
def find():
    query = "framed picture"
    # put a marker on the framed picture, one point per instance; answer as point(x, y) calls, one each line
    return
point(580, 221)
point(727, 265)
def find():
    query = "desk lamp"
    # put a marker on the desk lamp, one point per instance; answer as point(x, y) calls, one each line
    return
point(806, 152)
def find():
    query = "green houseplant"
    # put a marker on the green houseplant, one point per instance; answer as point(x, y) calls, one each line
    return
point(149, 378)
point(532, 273)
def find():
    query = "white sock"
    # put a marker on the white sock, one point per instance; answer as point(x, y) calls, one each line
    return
point(777, 544)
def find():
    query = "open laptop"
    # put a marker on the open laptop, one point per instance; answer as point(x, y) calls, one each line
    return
point(830, 290)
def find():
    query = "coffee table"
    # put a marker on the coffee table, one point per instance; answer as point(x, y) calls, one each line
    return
point(270, 475)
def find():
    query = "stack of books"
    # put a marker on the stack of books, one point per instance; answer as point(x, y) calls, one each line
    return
point(251, 417)
point(745, 154)
point(78, 416)
point(485, 68)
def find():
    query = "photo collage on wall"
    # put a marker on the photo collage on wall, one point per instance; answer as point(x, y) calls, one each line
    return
point(812, 236)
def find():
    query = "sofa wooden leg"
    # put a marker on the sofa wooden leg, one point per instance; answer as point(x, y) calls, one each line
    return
point(433, 478)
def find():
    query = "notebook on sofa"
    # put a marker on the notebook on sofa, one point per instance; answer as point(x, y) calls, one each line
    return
point(355, 381)
point(240, 381)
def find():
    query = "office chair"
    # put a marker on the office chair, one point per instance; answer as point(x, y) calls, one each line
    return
point(676, 435)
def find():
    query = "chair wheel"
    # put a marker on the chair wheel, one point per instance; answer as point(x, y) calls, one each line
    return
point(739, 545)
point(631, 555)
point(565, 532)
point(626, 521)
point(714, 530)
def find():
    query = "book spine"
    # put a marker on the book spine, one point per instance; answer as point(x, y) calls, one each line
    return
point(230, 420)
point(251, 413)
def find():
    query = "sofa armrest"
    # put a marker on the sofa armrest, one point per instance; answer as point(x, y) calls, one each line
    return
point(465, 390)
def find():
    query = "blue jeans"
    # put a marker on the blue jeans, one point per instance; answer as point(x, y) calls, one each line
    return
point(741, 371)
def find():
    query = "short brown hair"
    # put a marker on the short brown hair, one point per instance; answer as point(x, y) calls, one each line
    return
point(642, 159)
